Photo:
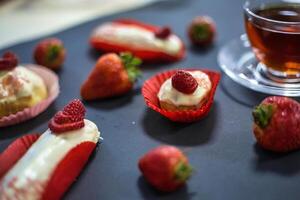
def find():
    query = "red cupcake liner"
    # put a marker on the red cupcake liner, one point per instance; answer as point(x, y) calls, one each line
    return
point(51, 81)
point(14, 152)
point(151, 88)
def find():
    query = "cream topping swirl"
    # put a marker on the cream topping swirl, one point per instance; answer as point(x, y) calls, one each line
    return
point(169, 94)
point(37, 165)
point(137, 37)
point(19, 82)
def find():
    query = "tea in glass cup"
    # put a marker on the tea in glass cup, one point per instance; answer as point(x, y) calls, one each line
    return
point(273, 29)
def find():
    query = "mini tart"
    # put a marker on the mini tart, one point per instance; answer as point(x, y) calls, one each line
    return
point(151, 89)
point(172, 99)
point(20, 88)
point(138, 38)
point(42, 167)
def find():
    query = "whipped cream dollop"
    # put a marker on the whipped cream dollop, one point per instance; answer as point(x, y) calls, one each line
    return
point(37, 165)
point(137, 37)
point(19, 82)
point(169, 94)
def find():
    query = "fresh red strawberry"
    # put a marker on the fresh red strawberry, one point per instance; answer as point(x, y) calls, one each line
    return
point(163, 32)
point(202, 31)
point(71, 118)
point(184, 82)
point(113, 75)
point(63, 117)
point(50, 53)
point(277, 124)
point(8, 61)
point(166, 168)
point(75, 107)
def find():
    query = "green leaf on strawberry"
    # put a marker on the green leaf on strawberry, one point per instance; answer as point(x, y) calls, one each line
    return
point(262, 114)
point(201, 32)
point(53, 52)
point(131, 64)
point(183, 171)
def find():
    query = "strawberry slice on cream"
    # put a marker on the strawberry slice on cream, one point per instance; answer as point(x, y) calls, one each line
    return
point(53, 160)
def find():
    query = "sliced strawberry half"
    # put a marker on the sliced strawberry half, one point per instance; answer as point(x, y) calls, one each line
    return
point(71, 118)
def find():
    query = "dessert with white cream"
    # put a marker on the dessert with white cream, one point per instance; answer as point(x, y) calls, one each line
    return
point(145, 41)
point(184, 90)
point(62, 150)
point(20, 87)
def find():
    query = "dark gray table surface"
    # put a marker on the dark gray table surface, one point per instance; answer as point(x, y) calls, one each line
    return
point(228, 163)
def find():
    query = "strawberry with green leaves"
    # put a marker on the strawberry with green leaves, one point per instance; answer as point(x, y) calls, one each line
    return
point(113, 75)
point(277, 124)
point(166, 168)
point(202, 31)
point(50, 53)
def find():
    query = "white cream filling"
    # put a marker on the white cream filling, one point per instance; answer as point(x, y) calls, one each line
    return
point(170, 95)
point(26, 78)
point(137, 37)
point(43, 157)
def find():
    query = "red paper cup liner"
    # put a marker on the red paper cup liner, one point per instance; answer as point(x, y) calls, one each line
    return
point(14, 152)
point(51, 81)
point(151, 88)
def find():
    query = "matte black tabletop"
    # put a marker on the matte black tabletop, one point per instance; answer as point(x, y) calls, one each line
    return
point(228, 164)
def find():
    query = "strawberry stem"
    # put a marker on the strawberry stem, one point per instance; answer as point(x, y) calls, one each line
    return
point(183, 171)
point(262, 115)
point(201, 32)
point(131, 64)
point(53, 52)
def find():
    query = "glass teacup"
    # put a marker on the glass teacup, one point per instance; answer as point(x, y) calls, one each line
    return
point(273, 29)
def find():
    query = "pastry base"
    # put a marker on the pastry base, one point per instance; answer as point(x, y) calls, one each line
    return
point(12, 107)
point(171, 107)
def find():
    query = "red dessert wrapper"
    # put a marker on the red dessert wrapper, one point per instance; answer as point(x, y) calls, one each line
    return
point(10, 156)
point(151, 88)
point(61, 178)
point(51, 81)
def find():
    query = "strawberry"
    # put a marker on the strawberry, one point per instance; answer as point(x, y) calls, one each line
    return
point(70, 118)
point(166, 168)
point(202, 30)
point(113, 75)
point(75, 107)
point(277, 124)
point(50, 53)
point(8, 61)
point(184, 82)
point(163, 33)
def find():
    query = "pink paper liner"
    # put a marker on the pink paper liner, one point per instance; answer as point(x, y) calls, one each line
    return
point(151, 88)
point(51, 81)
